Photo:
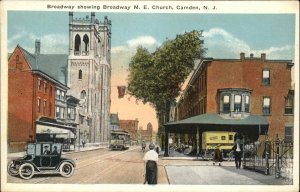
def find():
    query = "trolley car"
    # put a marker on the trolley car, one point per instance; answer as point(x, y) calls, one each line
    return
point(120, 140)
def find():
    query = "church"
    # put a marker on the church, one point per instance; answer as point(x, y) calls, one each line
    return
point(89, 74)
point(67, 96)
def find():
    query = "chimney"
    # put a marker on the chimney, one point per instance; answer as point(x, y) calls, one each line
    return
point(242, 56)
point(263, 57)
point(37, 47)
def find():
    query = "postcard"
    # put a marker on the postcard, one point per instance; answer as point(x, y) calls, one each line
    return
point(149, 95)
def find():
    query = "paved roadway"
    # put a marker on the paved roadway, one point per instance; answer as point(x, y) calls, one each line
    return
point(101, 166)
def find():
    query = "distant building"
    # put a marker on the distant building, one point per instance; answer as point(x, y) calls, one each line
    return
point(131, 126)
point(147, 135)
point(114, 122)
point(252, 96)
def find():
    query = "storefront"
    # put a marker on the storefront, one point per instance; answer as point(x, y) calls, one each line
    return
point(250, 127)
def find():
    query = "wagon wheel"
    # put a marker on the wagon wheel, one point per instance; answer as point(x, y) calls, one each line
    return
point(26, 171)
point(11, 169)
point(66, 169)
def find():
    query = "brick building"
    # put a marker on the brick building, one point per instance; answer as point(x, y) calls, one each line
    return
point(253, 96)
point(32, 96)
point(131, 126)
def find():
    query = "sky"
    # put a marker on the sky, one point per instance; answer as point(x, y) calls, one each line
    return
point(225, 36)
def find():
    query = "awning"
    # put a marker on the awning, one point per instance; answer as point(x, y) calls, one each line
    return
point(59, 132)
point(216, 119)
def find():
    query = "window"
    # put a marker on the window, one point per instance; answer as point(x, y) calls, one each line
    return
point(288, 135)
point(237, 103)
point(45, 86)
point(77, 45)
point(83, 94)
point(86, 44)
point(38, 104)
point(58, 94)
point(266, 77)
point(226, 104)
point(69, 113)
point(57, 112)
point(45, 106)
point(17, 59)
point(80, 74)
point(266, 105)
point(223, 137)
point(230, 137)
point(247, 103)
point(289, 103)
point(62, 113)
point(39, 84)
point(62, 95)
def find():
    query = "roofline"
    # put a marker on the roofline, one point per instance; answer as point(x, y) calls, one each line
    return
point(35, 71)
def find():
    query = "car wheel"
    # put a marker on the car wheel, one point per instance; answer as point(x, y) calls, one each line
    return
point(26, 171)
point(66, 169)
point(11, 169)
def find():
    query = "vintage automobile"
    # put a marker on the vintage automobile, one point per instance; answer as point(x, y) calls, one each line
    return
point(41, 158)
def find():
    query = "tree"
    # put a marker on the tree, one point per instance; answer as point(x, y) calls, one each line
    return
point(157, 77)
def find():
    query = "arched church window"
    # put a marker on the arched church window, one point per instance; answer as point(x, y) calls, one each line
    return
point(83, 94)
point(17, 59)
point(80, 74)
point(86, 43)
point(77, 45)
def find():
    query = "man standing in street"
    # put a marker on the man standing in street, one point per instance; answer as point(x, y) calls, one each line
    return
point(237, 151)
point(151, 158)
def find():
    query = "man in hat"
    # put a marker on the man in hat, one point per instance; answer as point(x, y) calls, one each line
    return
point(151, 158)
point(46, 150)
point(237, 151)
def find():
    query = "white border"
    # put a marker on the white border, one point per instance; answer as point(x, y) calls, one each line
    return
point(223, 7)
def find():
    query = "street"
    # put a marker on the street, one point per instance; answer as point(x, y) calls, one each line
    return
point(102, 166)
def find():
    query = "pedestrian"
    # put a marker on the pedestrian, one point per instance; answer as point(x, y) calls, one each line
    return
point(151, 158)
point(143, 146)
point(83, 143)
point(237, 151)
point(218, 155)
